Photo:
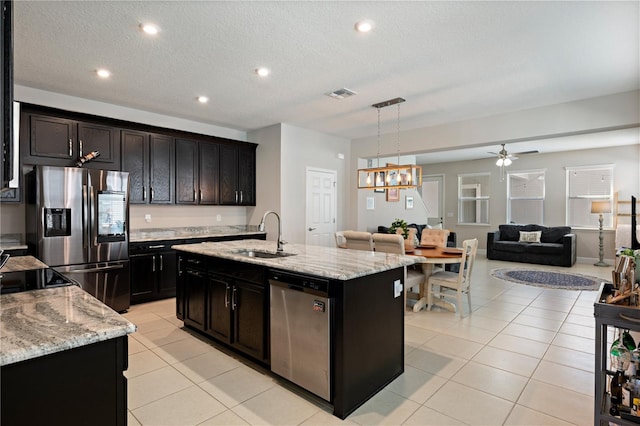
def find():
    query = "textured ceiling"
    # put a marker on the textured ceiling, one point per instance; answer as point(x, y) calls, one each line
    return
point(450, 60)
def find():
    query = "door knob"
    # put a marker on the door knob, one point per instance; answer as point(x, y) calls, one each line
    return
point(312, 229)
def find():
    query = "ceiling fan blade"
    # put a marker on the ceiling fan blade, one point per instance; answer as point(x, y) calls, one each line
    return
point(535, 151)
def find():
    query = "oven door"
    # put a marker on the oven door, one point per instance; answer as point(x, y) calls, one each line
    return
point(106, 281)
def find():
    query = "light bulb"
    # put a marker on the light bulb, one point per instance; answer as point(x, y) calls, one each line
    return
point(103, 73)
point(507, 161)
point(408, 177)
point(378, 179)
point(499, 162)
point(368, 179)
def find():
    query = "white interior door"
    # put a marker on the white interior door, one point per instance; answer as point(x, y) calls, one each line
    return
point(321, 207)
point(433, 197)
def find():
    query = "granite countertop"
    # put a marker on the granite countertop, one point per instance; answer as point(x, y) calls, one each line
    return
point(12, 242)
point(41, 322)
point(328, 262)
point(22, 263)
point(160, 234)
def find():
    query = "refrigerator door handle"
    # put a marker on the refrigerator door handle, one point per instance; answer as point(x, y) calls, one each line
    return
point(93, 240)
point(97, 269)
point(85, 237)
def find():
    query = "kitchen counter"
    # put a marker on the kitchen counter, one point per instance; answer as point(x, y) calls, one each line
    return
point(42, 322)
point(328, 262)
point(163, 234)
point(22, 263)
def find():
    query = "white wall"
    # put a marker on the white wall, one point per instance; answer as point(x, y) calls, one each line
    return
point(303, 148)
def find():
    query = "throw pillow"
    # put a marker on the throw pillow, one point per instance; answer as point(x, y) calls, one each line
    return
point(530, 237)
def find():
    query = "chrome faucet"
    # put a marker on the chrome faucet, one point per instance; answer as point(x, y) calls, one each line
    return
point(261, 228)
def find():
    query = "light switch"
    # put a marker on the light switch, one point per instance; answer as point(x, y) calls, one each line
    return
point(397, 288)
point(218, 218)
point(147, 218)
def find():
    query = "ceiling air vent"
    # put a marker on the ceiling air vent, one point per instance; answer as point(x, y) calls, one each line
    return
point(341, 93)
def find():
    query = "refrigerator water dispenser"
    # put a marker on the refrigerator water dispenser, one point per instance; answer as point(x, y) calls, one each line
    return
point(57, 222)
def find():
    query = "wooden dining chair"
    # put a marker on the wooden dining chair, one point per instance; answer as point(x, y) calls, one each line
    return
point(435, 237)
point(394, 243)
point(358, 240)
point(459, 281)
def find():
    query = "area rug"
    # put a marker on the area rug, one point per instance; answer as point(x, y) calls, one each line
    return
point(548, 279)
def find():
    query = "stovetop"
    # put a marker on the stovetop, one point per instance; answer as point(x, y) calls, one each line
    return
point(33, 279)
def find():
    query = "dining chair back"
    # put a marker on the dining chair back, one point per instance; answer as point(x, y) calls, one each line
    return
point(358, 240)
point(341, 241)
point(459, 281)
point(394, 243)
point(436, 237)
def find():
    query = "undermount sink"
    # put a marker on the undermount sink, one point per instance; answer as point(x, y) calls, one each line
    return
point(263, 254)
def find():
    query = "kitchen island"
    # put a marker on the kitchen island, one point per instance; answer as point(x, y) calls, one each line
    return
point(62, 359)
point(224, 292)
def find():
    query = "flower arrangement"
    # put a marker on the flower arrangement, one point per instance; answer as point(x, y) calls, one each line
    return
point(399, 224)
point(635, 255)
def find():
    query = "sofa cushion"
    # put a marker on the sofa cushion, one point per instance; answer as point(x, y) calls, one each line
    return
point(554, 234)
point(509, 232)
point(544, 248)
point(530, 236)
point(510, 246)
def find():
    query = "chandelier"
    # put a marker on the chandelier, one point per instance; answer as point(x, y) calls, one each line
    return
point(390, 176)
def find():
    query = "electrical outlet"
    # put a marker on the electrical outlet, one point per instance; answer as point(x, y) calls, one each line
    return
point(147, 218)
point(218, 218)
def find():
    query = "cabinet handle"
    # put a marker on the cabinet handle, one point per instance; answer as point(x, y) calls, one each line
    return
point(154, 264)
point(161, 263)
point(70, 147)
point(200, 194)
point(241, 197)
point(179, 266)
point(80, 148)
point(151, 197)
point(156, 246)
point(144, 193)
point(226, 296)
point(236, 197)
point(197, 274)
point(234, 299)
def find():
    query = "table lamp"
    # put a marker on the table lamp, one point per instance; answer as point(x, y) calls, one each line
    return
point(601, 207)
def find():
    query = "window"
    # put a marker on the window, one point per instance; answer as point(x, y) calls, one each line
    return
point(473, 198)
point(525, 197)
point(584, 185)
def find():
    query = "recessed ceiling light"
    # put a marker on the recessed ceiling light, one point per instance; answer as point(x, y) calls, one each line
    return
point(364, 26)
point(263, 72)
point(150, 29)
point(103, 73)
point(203, 99)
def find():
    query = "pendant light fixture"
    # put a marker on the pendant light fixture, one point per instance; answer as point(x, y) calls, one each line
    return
point(393, 176)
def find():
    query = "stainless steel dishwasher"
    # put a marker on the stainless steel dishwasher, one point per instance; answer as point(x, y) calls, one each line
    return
point(300, 331)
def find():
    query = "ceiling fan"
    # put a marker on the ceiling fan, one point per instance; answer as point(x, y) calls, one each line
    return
point(505, 159)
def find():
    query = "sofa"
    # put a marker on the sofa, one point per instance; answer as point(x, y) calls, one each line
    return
point(554, 245)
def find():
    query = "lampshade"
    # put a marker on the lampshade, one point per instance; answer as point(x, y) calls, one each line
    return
point(601, 207)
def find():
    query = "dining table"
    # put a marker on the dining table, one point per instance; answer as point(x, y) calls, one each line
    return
point(428, 256)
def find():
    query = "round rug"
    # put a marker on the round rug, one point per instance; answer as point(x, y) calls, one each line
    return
point(548, 279)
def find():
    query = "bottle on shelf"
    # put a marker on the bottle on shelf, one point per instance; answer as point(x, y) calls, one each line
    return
point(87, 157)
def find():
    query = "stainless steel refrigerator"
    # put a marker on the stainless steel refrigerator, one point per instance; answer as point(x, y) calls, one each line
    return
point(77, 223)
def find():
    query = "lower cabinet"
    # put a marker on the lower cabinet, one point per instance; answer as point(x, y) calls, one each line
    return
point(153, 273)
point(228, 307)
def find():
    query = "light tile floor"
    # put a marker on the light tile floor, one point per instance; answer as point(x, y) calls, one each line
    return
point(525, 356)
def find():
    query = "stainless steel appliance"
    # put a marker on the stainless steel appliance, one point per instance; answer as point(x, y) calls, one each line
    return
point(32, 279)
point(301, 313)
point(77, 223)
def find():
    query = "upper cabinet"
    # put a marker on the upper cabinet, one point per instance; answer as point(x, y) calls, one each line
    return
point(238, 174)
point(6, 94)
point(60, 141)
point(150, 160)
point(197, 166)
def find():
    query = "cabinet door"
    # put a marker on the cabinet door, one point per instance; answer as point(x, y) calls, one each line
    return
point(195, 298)
point(186, 171)
point(167, 265)
point(161, 169)
point(95, 137)
point(180, 279)
point(219, 319)
point(247, 175)
point(52, 137)
point(249, 311)
point(209, 165)
point(142, 277)
point(229, 194)
point(135, 160)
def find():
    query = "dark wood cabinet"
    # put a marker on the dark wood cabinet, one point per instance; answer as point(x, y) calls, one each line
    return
point(226, 300)
point(197, 165)
point(150, 160)
point(59, 141)
point(237, 175)
point(153, 271)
